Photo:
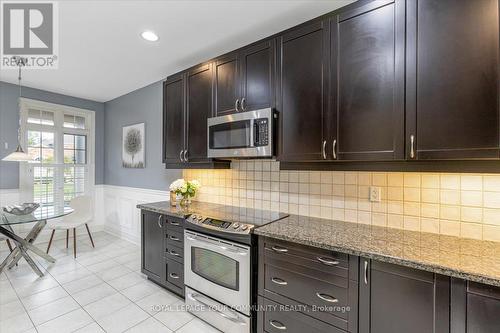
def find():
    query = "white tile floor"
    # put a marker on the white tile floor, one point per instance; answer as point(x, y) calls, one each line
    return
point(102, 290)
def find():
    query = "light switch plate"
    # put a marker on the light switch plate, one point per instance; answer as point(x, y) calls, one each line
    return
point(375, 194)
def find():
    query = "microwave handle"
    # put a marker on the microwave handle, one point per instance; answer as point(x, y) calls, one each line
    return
point(252, 129)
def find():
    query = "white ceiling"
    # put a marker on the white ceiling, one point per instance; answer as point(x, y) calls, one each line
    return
point(102, 55)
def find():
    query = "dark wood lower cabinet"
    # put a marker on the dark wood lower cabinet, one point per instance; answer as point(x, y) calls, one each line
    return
point(152, 225)
point(162, 247)
point(475, 308)
point(395, 299)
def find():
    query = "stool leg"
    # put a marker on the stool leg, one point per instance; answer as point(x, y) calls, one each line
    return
point(67, 237)
point(90, 236)
point(74, 242)
point(50, 241)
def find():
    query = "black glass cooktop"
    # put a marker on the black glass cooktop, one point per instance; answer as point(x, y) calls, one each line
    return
point(257, 217)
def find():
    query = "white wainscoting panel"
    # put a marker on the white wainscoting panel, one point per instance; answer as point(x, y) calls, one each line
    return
point(120, 215)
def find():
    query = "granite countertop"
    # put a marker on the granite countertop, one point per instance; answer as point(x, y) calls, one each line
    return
point(463, 258)
point(164, 207)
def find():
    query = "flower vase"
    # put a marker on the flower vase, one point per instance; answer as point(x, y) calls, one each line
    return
point(185, 201)
point(173, 199)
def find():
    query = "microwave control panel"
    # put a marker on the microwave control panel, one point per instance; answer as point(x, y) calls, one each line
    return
point(261, 132)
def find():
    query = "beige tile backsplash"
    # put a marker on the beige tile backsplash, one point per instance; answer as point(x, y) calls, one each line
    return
point(466, 205)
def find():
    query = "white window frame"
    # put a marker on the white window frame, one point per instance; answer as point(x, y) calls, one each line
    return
point(59, 110)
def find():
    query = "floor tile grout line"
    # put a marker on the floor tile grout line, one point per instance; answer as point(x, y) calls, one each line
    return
point(19, 299)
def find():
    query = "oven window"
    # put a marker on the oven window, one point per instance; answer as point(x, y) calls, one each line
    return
point(235, 134)
point(215, 267)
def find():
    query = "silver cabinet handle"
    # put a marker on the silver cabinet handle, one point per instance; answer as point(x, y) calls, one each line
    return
point(174, 238)
point(278, 325)
point(159, 221)
point(185, 156)
point(236, 103)
point(174, 223)
point(279, 281)
point(323, 150)
point(412, 146)
point(173, 253)
point(366, 272)
point(174, 276)
point(327, 298)
point(334, 149)
point(180, 155)
point(243, 104)
point(279, 249)
point(327, 262)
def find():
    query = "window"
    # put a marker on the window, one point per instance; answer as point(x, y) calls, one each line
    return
point(60, 141)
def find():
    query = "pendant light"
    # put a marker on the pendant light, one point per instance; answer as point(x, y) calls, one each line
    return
point(18, 155)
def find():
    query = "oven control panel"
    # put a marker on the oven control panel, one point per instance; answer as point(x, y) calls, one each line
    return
point(215, 224)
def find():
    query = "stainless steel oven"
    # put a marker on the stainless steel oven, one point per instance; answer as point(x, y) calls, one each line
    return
point(244, 134)
point(217, 276)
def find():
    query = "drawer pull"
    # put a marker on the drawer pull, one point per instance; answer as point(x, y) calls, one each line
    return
point(276, 324)
point(175, 254)
point(174, 238)
point(279, 249)
point(279, 281)
point(327, 262)
point(327, 298)
point(174, 223)
point(174, 276)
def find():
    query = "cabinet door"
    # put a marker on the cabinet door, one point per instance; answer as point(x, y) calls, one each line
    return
point(227, 85)
point(303, 102)
point(453, 79)
point(475, 307)
point(368, 82)
point(395, 299)
point(173, 119)
point(152, 263)
point(199, 109)
point(257, 76)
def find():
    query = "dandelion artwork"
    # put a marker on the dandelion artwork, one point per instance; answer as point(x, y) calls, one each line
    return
point(133, 146)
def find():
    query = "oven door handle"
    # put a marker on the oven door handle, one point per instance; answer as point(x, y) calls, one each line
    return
point(224, 248)
point(235, 319)
point(252, 138)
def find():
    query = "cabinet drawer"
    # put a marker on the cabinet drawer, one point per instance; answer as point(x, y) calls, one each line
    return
point(305, 289)
point(175, 224)
point(175, 253)
point(277, 319)
point(175, 272)
point(330, 262)
point(174, 238)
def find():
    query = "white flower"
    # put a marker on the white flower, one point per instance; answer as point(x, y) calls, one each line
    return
point(195, 184)
point(177, 185)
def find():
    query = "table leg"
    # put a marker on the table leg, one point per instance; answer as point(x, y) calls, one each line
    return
point(25, 244)
point(30, 261)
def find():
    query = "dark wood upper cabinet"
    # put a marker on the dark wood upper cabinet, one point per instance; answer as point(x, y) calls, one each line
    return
point(199, 109)
point(173, 119)
point(227, 84)
point(257, 76)
point(303, 59)
point(367, 82)
point(396, 299)
point(452, 82)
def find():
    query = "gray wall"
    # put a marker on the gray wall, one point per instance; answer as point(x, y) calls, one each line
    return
point(9, 118)
point(140, 106)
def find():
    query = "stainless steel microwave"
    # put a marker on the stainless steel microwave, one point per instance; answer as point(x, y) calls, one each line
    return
point(240, 135)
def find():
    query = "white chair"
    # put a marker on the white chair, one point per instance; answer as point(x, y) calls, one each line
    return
point(81, 215)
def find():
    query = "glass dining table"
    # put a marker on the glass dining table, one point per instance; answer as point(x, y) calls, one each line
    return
point(39, 219)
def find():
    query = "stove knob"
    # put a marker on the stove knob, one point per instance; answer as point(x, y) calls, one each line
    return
point(200, 218)
point(236, 225)
point(244, 227)
point(193, 217)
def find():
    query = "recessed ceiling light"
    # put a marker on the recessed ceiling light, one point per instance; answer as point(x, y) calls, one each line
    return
point(149, 36)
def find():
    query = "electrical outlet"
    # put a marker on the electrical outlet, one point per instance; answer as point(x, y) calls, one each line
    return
point(6, 145)
point(375, 194)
